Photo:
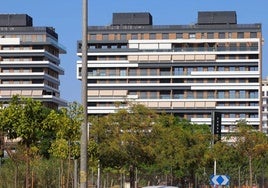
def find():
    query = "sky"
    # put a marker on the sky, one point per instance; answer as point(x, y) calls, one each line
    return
point(66, 17)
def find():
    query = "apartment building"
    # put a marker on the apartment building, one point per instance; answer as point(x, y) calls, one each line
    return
point(29, 60)
point(188, 70)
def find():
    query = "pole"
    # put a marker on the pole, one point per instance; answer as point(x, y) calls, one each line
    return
point(84, 125)
point(75, 173)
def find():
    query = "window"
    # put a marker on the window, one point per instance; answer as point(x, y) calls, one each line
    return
point(143, 72)
point(253, 94)
point(253, 68)
point(165, 36)
point(221, 95)
point(123, 72)
point(200, 95)
point(190, 95)
point(153, 95)
point(210, 35)
point(210, 68)
point(178, 94)
point(93, 37)
point(164, 95)
point(232, 94)
point(134, 36)
point(178, 71)
point(220, 68)
point(221, 35)
point(28, 38)
point(189, 70)
point(132, 72)
point(240, 35)
point(153, 72)
point(164, 72)
point(105, 37)
point(253, 34)
point(123, 36)
point(192, 35)
point(210, 94)
point(242, 94)
point(143, 95)
point(231, 68)
point(200, 69)
point(152, 36)
point(39, 38)
point(112, 72)
point(179, 35)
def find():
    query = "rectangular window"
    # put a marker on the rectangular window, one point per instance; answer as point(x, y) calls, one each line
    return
point(143, 95)
point(210, 95)
point(232, 94)
point(153, 72)
point(165, 36)
point(240, 35)
point(190, 95)
point(104, 36)
point(192, 35)
point(143, 72)
point(164, 95)
point(221, 95)
point(152, 36)
point(179, 35)
point(253, 34)
point(132, 72)
point(221, 35)
point(123, 72)
point(123, 37)
point(93, 37)
point(210, 68)
point(210, 35)
point(242, 94)
point(134, 36)
point(153, 95)
point(178, 94)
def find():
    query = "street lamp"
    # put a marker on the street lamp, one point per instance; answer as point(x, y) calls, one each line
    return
point(84, 125)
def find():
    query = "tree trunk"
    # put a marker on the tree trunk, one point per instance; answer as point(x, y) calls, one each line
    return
point(28, 175)
point(250, 171)
point(132, 176)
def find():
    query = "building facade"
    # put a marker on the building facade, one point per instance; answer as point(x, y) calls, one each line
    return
point(29, 60)
point(265, 105)
point(188, 70)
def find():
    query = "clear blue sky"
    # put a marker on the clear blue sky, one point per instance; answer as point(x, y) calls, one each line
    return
point(65, 17)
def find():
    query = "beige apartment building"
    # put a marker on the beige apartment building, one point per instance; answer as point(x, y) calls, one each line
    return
point(29, 60)
point(188, 70)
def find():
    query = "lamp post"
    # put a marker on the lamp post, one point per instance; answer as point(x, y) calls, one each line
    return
point(84, 125)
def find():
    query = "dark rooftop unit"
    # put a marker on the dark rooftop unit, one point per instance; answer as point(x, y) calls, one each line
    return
point(15, 20)
point(132, 19)
point(217, 17)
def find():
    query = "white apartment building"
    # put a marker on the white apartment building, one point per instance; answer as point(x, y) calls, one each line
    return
point(188, 70)
point(29, 61)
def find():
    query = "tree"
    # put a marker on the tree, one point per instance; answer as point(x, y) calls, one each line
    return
point(67, 123)
point(23, 118)
point(182, 147)
point(124, 139)
point(250, 143)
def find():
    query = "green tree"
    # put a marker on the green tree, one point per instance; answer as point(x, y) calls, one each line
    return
point(125, 139)
point(67, 123)
point(182, 147)
point(250, 143)
point(23, 119)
